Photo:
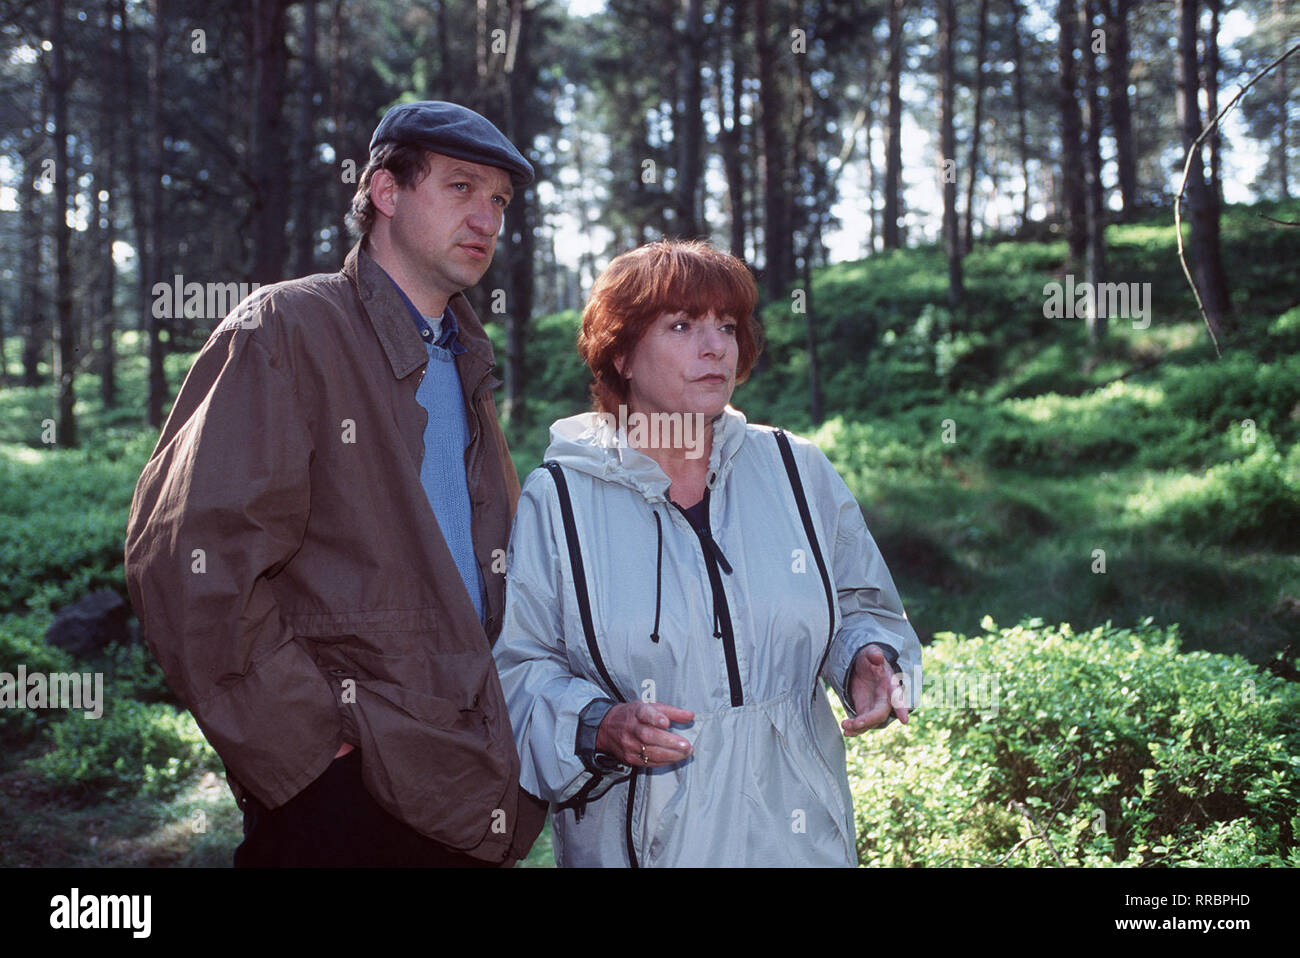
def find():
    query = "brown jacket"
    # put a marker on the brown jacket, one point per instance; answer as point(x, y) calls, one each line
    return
point(290, 575)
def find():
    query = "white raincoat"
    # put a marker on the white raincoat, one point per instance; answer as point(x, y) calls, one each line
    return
point(766, 783)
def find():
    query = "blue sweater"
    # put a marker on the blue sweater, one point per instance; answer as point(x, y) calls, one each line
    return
point(446, 437)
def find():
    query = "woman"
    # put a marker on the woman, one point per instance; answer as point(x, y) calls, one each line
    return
point(673, 596)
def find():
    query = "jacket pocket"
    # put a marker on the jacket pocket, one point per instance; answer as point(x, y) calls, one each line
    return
point(441, 689)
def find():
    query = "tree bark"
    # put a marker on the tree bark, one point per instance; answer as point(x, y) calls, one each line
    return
point(342, 147)
point(805, 154)
point(305, 209)
point(1284, 93)
point(948, 148)
point(972, 164)
point(106, 179)
point(1095, 260)
point(1018, 83)
point(66, 347)
point(35, 331)
point(689, 130)
point(1212, 102)
point(730, 128)
point(776, 225)
point(157, 376)
point(519, 220)
point(1073, 188)
point(893, 199)
point(1121, 113)
point(268, 169)
point(1202, 211)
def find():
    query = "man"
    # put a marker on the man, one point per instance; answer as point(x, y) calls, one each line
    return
point(316, 546)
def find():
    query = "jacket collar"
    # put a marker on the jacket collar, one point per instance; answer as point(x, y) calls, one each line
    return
point(586, 442)
point(388, 314)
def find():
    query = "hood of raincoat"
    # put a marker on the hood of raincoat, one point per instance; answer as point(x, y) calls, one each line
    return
point(596, 444)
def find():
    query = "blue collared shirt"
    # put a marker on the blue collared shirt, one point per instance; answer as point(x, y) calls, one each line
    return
point(450, 328)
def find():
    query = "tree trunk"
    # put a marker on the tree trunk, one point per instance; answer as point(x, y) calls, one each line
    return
point(1121, 114)
point(1284, 93)
point(342, 146)
point(304, 219)
point(972, 165)
point(65, 351)
point(157, 376)
point(689, 130)
point(35, 328)
point(1212, 102)
point(106, 179)
point(519, 221)
point(948, 148)
point(1073, 187)
point(730, 129)
point(893, 200)
point(1095, 260)
point(1202, 211)
point(268, 170)
point(805, 156)
point(1018, 80)
point(873, 211)
point(776, 226)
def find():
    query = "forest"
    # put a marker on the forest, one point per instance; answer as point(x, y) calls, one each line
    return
point(1034, 303)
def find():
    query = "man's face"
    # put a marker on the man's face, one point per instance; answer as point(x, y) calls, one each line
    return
point(446, 227)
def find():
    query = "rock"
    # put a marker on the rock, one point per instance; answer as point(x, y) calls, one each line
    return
point(92, 622)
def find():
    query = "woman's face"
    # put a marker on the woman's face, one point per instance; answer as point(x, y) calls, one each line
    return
point(682, 364)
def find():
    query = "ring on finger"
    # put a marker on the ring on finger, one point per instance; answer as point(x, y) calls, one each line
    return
point(644, 759)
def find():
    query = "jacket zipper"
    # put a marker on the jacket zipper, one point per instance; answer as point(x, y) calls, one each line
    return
point(627, 830)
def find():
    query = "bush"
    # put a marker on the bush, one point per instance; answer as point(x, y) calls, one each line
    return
point(22, 642)
point(1119, 747)
point(133, 749)
point(1058, 434)
point(1254, 500)
point(1225, 393)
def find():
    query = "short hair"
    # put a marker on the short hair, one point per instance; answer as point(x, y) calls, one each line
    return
point(408, 163)
point(668, 276)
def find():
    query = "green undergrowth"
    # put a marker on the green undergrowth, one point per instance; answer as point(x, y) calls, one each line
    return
point(1039, 746)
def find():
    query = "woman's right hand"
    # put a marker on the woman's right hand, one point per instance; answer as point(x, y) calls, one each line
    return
point(636, 734)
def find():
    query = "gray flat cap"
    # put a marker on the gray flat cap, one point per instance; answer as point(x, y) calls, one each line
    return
point(452, 130)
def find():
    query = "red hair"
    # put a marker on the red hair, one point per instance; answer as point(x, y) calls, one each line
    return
point(639, 286)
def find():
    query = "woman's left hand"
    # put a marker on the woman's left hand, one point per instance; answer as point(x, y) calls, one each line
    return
point(875, 689)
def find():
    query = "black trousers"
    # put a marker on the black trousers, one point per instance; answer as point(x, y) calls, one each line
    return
point(334, 822)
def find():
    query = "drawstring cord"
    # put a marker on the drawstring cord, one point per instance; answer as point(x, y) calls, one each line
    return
point(659, 573)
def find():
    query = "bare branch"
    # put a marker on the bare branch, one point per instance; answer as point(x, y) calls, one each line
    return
point(1182, 186)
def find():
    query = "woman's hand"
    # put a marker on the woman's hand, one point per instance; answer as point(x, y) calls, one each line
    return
point(636, 733)
point(873, 687)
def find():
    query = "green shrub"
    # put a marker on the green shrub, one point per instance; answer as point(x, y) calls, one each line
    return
point(1227, 392)
point(134, 748)
point(1119, 747)
point(1058, 434)
point(22, 642)
point(1253, 500)
point(133, 672)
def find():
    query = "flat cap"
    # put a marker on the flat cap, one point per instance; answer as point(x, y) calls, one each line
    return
point(452, 130)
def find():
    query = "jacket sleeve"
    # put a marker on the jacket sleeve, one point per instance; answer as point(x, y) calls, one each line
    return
point(870, 608)
point(221, 506)
point(544, 695)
